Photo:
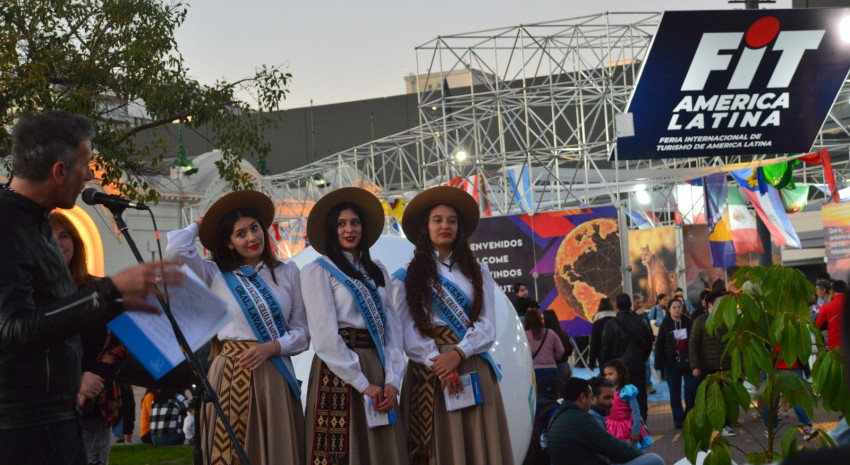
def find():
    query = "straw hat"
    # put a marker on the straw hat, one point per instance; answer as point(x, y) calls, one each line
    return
point(465, 205)
point(373, 215)
point(257, 201)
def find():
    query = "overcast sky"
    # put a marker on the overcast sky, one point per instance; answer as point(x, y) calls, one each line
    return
point(344, 50)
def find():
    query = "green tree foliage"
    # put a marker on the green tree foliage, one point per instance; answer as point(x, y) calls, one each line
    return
point(99, 57)
point(776, 315)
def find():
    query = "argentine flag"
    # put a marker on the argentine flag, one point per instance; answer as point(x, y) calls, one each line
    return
point(521, 186)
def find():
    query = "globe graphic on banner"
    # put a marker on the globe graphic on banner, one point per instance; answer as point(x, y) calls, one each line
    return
point(587, 267)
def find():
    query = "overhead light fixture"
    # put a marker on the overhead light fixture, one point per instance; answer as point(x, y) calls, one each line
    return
point(320, 180)
point(460, 155)
point(642, 195)
point(844, 29)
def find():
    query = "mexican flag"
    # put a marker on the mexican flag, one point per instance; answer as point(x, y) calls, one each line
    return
point(743, 223)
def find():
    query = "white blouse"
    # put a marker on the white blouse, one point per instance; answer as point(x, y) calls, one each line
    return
point(287, 291)
point(330, 306)
point(479, 337)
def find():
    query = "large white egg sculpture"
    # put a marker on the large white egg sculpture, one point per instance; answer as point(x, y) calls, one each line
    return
point(510, 349)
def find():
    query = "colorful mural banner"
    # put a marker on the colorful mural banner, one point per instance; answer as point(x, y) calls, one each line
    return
point(569, 259)
point(652, 255)
point(836, 239)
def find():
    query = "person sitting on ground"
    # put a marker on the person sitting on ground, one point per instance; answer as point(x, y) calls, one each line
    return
point(603, 315)
point(167, 413)
point(575, 438)
point(829, 317)
point(603, 398)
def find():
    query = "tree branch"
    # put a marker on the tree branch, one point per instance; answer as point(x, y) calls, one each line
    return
point(151, 125)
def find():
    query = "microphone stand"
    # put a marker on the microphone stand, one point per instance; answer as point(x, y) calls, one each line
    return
point(209, 395)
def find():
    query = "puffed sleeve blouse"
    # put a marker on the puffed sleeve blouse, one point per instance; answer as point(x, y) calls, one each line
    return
point(330, 306)
point(479, 337)
point(287, 291)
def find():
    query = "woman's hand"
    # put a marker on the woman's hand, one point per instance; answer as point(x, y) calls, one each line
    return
point(375, 393)
point(635, 438)
point(389, 400)
point(252, 358)
point(445, 363)
point(452, 381)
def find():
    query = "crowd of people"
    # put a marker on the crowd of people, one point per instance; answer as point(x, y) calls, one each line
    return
point(394, 349)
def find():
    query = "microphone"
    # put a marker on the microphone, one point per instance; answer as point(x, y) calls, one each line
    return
point(92, 196)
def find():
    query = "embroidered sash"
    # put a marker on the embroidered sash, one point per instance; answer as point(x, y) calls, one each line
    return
point(368, 302)
point(264, 315)
point(454, 307)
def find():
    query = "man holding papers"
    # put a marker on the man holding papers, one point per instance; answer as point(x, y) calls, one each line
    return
point(41, 311)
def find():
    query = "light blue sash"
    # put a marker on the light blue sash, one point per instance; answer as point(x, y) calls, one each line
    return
point(368, 302)
point(250, 291)
point(454, 307)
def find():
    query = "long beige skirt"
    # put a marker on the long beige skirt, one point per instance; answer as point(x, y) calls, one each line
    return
point(274, 428)
point(381, 445)
point(474, 435)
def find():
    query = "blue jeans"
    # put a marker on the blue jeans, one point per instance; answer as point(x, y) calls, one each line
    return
point(799, 412)
point(167, 439)
point(545, 373)
point(675, 376)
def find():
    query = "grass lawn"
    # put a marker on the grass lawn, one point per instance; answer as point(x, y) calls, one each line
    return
point(147, 454)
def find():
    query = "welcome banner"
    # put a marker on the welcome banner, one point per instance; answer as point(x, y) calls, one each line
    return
point(569, 259)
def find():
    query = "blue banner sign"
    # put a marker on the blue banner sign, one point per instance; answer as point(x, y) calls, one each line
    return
point(737, 83)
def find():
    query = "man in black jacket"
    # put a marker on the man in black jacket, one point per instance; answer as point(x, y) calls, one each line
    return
point(574, 437)
point(41, 312)
point(629, 337)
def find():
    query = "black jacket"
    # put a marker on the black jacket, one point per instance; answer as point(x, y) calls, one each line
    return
point(628, 337)
point(665, 343)
point(575, 437)
point(596, 336)
point(41, 315)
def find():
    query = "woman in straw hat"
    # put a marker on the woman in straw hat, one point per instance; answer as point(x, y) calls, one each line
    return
point(356, 335)
point(253, 374)
point(446, 304)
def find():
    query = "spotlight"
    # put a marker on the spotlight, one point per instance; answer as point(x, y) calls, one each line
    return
point(460, 155)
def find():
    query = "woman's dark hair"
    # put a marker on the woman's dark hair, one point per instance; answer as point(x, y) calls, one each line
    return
point(517, 286)
point(422, 277)
point(334, 250)
point(534, 323)
point(550, 321)
point(621, 369)
point(660, 298)
point(228, 259)
point(605, 305)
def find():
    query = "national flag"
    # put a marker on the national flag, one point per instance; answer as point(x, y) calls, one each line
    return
point(772, 213)
point(743, 224)
point(750, 180)
point(719, 228)
point(822, 158)
point(520, 179)
point(475, 188)
point(395, 209)
point(795, 199)
point(640, 219)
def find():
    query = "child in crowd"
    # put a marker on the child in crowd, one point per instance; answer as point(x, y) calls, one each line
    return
point(189, 426)
point(624, 421)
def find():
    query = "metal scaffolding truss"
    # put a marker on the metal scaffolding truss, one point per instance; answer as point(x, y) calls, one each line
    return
point(540, 97)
